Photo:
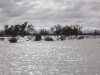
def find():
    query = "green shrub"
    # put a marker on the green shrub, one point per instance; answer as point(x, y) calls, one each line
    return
point(12, 40)
point(2, 39)
point(48, 39)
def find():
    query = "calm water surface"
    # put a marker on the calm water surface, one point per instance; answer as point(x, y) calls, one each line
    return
point(69, 57)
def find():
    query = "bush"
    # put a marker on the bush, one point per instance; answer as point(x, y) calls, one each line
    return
point(13, 40)
point(81, 37)
point(1, 39)
point(62, 37)
point(48, 39)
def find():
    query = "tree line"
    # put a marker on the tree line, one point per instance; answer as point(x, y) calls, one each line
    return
point(25, 29)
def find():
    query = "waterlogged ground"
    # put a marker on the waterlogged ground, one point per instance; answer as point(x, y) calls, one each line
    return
point(69, 57)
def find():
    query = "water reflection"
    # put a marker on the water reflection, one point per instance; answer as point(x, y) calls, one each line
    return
point(44, 58)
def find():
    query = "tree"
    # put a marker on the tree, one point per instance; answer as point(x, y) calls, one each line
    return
point(16, 30)
point(76, 30)
point(30, 28)
point(71, 30)
point(66, 30)
point(57, 29)
point(7, 30)
point(22, 27)
point(96, 32)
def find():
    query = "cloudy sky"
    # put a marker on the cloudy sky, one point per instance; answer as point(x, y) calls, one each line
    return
point(47, 13)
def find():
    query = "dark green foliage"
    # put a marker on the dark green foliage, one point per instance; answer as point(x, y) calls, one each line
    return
point(81, 37)
point(30, 28)
point(96, 32)
point(15, 30)
point(57, 29)
point(18, 29)
point(67, 30)
point(48, 39)
point(13, 40)
point(63, 37)
point(71, 30)
point(2, 39)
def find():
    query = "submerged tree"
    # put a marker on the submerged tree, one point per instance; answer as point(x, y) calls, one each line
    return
point(76, 30)
point(16, 30)
point(30, 28)
point(22, 31)
point(96, 32)
point(71, 30)
point(66, 30)
point(57, 29)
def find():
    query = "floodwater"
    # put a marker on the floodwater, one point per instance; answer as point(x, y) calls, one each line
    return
point(69, 57)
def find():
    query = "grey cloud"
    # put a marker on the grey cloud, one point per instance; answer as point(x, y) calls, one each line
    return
point(13, 9)
point(16, 11)
point(5, 3)
point(60, 1)
point(43, 13)
point(77, 11)
point(96, 7)
point(10, 10)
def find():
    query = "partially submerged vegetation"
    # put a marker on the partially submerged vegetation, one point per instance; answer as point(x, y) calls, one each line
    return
point(61, 32)
point(48, 39)
point(13, 40)
point(2, 39)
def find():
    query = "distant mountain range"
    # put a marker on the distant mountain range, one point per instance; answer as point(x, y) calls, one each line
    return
point(50, 31)
point(88, 31)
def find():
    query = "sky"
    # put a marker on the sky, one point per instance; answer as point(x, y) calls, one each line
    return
point(47, 13)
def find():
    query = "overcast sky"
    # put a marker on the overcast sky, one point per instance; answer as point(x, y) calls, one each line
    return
point(47, 13)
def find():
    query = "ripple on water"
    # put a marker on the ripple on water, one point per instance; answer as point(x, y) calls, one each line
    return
point(50, 58)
